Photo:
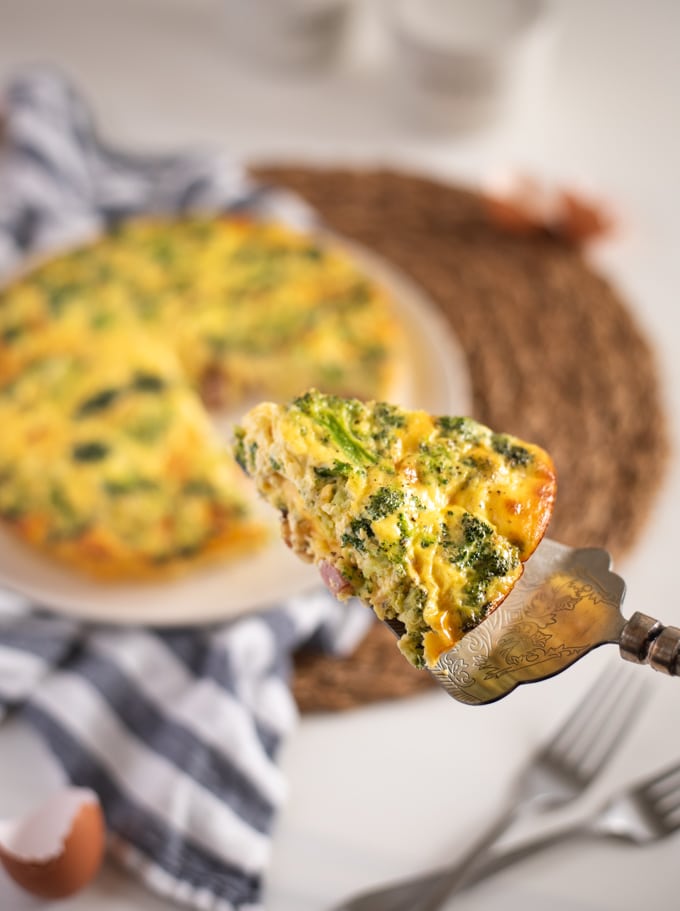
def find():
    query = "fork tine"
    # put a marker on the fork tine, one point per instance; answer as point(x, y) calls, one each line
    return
point(613, 725)
point(598, 723)
point(669, 809)
point(673, 823)
point(580, 716)
point(664, 785)
point(661, 794)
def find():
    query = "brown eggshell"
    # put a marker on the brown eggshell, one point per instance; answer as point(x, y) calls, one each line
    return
point(74, 867)
point(521, 204)
point(510, 215)
point(583, 219)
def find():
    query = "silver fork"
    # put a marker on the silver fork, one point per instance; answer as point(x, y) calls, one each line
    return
point(640, 814)
point(556, 775)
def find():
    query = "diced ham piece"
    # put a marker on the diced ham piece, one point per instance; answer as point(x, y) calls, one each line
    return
point(334, 580)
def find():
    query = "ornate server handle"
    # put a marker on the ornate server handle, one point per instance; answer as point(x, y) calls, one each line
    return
point(645, 640)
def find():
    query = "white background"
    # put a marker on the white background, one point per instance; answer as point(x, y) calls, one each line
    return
point(383, 791)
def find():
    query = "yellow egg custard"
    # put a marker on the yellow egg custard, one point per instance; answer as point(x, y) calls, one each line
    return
point(426, 519)
point(111, 463)
point(112, 356)
point(247, 307)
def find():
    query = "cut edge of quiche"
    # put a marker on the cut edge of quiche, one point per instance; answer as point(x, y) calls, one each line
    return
point(428, 520)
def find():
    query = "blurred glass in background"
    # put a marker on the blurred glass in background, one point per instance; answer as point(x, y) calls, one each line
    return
point(448, 64)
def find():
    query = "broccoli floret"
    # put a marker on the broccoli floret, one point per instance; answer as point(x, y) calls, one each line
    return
point(148, 382)
point(384, 502)
point(331, 472)
point(100, 401)
point(359, 533)
point(516, 455)
point(336, 415)
point(475, 550)
point(90, 452)
point(461, 428)
point(240, 447)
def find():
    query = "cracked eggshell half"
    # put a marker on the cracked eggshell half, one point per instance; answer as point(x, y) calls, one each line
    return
point(56, 849)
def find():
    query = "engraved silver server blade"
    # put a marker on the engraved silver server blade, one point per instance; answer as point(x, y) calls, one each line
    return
point(567, 603)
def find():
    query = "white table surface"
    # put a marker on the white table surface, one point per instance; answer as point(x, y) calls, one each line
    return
point(368, 802)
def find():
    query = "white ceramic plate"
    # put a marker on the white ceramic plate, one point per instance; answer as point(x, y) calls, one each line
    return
point(434, 378)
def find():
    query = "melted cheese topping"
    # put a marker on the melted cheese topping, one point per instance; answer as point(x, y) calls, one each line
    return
point(107, 456)
point(426, 519)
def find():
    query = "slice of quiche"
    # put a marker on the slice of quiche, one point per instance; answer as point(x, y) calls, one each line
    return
point(426, 519)
point(109, 461)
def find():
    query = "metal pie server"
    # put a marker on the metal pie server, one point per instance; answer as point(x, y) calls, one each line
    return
point(567, 603)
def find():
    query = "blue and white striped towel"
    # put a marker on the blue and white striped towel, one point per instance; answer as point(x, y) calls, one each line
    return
point(176, 730)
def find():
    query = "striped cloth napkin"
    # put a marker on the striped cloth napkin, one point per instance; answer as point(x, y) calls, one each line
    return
point(176, 729)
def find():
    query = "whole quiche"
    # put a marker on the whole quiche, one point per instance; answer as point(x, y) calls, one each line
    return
point(113, 355)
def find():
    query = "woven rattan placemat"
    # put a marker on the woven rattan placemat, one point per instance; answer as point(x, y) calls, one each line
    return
point(554, 356)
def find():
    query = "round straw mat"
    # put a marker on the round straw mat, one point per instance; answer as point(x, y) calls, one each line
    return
point(554, 356)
